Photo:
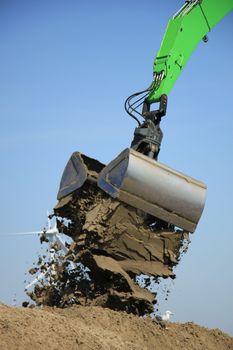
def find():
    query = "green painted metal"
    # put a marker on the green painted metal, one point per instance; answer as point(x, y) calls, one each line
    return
point(184, 31)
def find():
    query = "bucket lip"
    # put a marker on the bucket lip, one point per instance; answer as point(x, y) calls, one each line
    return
point(165, 214)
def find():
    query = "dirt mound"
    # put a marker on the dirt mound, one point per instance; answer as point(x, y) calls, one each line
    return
point(93, 328)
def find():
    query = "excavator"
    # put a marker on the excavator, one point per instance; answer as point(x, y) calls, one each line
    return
point(135, 176)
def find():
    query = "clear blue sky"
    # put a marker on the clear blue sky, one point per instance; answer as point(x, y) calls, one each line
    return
point(66, 68)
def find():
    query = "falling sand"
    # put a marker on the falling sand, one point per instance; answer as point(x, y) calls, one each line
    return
point(116, 242)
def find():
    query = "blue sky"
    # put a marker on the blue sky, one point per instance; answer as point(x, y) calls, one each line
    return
point(66, 68)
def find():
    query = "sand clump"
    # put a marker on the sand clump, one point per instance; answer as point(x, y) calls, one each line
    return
point(92, 328)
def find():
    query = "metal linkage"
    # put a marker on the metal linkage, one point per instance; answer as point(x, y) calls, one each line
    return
point(148, 136)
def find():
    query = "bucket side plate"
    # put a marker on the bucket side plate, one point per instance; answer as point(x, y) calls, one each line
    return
point(73, 177)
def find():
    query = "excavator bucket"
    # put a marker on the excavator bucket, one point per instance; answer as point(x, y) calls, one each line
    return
point(73, 177)
point(155, 188)
point(78, 169)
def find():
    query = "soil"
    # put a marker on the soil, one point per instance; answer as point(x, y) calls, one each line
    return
point(116, 242)
point(92, 328)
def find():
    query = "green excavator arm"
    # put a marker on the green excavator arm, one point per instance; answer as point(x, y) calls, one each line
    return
point(136, 177)
point(185, 30)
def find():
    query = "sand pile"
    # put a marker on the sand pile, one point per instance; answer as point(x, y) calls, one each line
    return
point(92, 328)
point(116, 243)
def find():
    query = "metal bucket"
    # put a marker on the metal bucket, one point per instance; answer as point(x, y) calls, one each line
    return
point(78, 169)
point(154, 188)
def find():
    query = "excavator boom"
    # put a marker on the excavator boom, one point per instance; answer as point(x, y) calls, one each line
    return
point(184, 31)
